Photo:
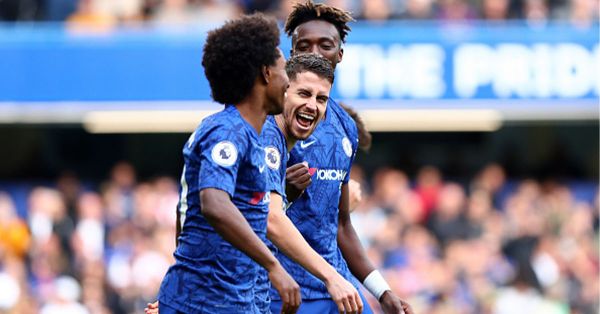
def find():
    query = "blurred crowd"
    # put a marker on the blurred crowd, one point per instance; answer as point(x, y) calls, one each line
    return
point(109, 13)
point(486, 246)
point(87, 250)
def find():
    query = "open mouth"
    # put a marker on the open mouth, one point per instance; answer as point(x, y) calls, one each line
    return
point(305, 120)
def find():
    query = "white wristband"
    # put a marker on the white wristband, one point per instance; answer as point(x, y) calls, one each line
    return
point(376, 284)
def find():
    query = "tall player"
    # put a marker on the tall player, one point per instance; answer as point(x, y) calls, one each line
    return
point(321, 212)
point(224, 183)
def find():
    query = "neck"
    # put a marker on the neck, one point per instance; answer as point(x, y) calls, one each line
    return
point(252, 110)
point(289, 139)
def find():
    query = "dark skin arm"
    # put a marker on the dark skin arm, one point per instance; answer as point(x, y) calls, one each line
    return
point(357, 260)
point(223, 220)
point(348, 241)
point(229, 222)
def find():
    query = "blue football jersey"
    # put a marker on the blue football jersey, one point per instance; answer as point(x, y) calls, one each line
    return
point(209, 274)
point(329, 151)
point(276, 157)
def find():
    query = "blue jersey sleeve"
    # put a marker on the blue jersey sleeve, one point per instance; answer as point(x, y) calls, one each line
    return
point(346, 178)
point(275, 156)
point(354, 144)
point(276, 175)
point(350, 140)
point(219, 151)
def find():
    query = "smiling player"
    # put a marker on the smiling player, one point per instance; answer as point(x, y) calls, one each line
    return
point(311, 77)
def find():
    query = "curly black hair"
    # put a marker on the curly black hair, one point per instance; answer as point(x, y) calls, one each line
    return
point(309, 62)
point(235, 53)
point(309, 11)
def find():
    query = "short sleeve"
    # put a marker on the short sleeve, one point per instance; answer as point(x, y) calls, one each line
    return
point(353, 145)
point(275, 148)
point(221, 150)
point(273, 159)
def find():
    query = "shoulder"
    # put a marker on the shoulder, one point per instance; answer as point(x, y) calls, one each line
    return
point(227, 119)
point(274, 142)
point(343, 118)
point(270, 129)
point(271, 134)
point(223, 129)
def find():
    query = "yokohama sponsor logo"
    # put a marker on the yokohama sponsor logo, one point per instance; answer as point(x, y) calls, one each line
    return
point(328, 174)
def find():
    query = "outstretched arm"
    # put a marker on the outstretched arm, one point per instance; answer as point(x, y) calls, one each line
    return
point(359, 264)
point(282, 232)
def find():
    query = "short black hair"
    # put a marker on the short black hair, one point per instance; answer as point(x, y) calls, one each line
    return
point(309, 11)
point(235, 53)
point(309, 62)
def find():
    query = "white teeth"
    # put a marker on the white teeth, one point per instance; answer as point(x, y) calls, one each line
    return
point(305, 116)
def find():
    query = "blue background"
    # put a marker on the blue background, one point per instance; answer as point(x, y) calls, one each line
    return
point(50, 63)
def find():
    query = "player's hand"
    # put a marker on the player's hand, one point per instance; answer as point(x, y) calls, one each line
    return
point(288, 289)
point(344, 295)
point(355, 194)
point(151, 308)
point(297, 178)
point(298, 175)
point(391, 304)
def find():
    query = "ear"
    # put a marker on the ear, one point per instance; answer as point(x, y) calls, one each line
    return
point(265, 74)
point(340, 55)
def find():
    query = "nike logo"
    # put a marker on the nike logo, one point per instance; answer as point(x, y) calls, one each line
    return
point(304, 144)
point(261, 168)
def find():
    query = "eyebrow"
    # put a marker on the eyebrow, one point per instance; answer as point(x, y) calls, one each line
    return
point(303, 89)
point(322, 38)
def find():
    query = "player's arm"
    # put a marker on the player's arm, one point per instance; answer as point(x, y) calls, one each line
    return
point(348, 241)
point(282, 232)
point(229, 222)
point(338, 287)
point(355, 192)
point(359, 264)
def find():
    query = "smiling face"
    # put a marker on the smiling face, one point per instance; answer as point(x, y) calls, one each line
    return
point(305, 104)
point(318, 37)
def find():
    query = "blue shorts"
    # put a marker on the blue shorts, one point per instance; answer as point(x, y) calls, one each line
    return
point(165, 309)
point(321, 306)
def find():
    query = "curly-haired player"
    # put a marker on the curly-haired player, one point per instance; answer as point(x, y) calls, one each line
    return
point(311, 77)
point(223, 207)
